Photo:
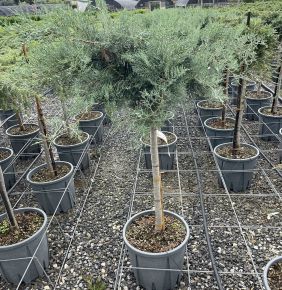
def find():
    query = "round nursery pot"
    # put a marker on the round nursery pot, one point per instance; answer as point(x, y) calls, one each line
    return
point(18, 141)
point(172, 260)
point(266, 270)
point(216, 135)
point(49, 193)
point(237, 173)
point(255, 103)
point(17, 256)
point(270, 124)
point(72, 153)
point(93, 126)
point(166, 153)
point(206, 112)
point(168, 124)
point(101, 108)
point(250, 87)
point(8, 170)
point(4, 114)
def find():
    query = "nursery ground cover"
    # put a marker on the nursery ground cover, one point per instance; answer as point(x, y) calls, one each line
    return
point(245, 228)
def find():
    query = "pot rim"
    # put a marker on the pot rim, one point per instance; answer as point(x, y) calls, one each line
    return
point(7, 149)
point(218, 129)
point(26, 209)
point(205, 108)
point(260, 99)
point(165, 145)
point(161, 254)
point(71, 145)
point(271, 116)
point(101, 115)
point(22, 135)
point(236, 160)
point(234, 83)
point(266, 269)
point(31, 172)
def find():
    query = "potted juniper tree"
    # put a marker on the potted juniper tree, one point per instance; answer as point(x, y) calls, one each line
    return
point(238, 160)
point(22, 236)
point(58, 65)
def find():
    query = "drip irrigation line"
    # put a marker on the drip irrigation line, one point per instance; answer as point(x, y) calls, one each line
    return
point(215, 271)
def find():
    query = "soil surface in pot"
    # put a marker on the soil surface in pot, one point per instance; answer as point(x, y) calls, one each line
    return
point(212, 105)
point(255, 95)
point(28, 128)
point(73, 140)
point(45, 175)
point(170, 139)
point(275, 276)
point(267, 111)
point(29, 223)
point(4, 154)
point(89, 116)
point(141, 234)
point(218, 124)
point(242, 153)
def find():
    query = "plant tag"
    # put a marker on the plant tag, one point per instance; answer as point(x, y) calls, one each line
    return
point(162, 136)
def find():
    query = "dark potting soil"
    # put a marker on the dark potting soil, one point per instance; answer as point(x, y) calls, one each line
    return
point(89, 115)
point(28, 128)
point(211, 105)
point(45, 175)
point(255, 95)
point(4, 154)
point(267, 111)
point(141, 234)
point(29, 223)
point(218, 124)
point(275, 276)
point(242, 153)
point(73, 140)
point(170, 139)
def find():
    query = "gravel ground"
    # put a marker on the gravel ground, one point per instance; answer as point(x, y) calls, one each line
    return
point(86, 243)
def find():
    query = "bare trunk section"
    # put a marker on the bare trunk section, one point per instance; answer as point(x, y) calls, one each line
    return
point(157, 188)
point(49, 156)
point(226, 85)
point(65, 115)
point(276, 91)
point(7, 204)
point(259, 88)
point(20, 120)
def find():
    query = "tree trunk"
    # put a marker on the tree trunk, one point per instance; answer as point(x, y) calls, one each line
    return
point(276, 91)
point(20, 120)
point(65, 115)
point(157, 189)
point(6, 201)
point(259, 88)
point(49, 156)
point(226, 85)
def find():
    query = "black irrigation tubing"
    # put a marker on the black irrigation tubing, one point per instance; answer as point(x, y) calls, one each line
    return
point(215, 270)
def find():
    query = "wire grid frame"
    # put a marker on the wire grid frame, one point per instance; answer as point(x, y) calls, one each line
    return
point(238, 230)
point(53, 219)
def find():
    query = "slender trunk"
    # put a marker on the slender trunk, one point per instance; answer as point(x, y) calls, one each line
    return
point(157, 189)
point(47, 148)
point(20, 120)
point(259, 88)
point(239, 113)
point(25, 52)
point(6, 202)
point(226, 85)
point(65, 115)
point(276, 91)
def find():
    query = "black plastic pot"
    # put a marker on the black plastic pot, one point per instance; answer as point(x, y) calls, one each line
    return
point(19, 141)
point(50, 193)
point(168, 124)
point(270, 125)
point(266, 269)
point(218, 136)
point(250, 87)
point(4, 114)
point(72, 153)
point(237, 173)
point(166, 154)
point(148, 266)
point(93, 128)
point(101, 108)
point(253, 105)
point(206, 113)
point(8, 170)
point(15, 258)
